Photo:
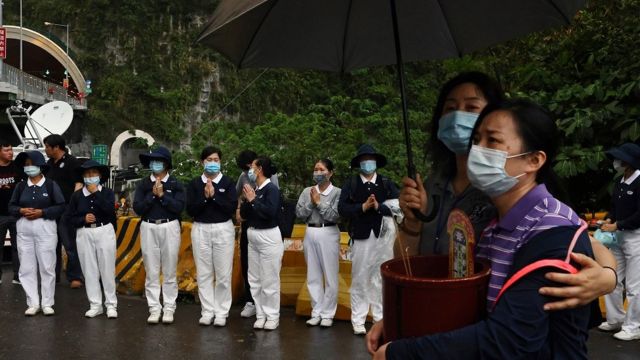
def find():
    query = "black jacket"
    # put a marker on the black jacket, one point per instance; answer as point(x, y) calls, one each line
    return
point(150, 207)
point(351, 200)
point(218, 209)
point(625, 205)
point(262, 212)
point(101, 204)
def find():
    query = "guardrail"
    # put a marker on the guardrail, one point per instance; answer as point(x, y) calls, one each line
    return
point(28, 84)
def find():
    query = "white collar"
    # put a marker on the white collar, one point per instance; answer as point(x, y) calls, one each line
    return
point(87, 193)
point(373, 179)
point(326, 191)
point(264, 184)
point(39, 184)
point(215, 179)
point(164, 179)
point(631, 178)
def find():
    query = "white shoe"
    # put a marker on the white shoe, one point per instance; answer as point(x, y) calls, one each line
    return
point(205, 320)
point(112, 313)
point(314, 321)
point(605, 326)
point(220, 322)
point(31, 311)
point(48, 310)
point(91, 313)
point(16, 282)
point(259, 324)
point(248, 311)
point(154, 318)
point(271, 324)
point(359, 330)
point(326, 322)
point(167, 317)
point(626, 335)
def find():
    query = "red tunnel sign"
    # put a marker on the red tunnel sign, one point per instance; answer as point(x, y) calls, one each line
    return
point(3, 43)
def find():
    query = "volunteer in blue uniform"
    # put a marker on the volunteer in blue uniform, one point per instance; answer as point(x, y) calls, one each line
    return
point(159, 200)
point(37, 203)
point(244, 161)
point(9, 178)
point(624, 220)
point(260, 210)
point(92, 212)
point(63, 170)
point(212, 202)
point(361, 202)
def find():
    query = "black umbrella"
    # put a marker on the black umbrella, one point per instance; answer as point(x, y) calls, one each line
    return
point(343, 35)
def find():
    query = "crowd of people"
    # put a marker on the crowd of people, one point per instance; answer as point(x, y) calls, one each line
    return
point(492, 159)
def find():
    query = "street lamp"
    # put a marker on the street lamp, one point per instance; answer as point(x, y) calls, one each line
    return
point(66, 73)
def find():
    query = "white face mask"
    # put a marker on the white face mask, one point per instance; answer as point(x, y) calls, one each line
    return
point(617, 166)
point(485, 169)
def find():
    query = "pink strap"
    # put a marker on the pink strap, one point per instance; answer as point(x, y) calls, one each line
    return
point(555, 263)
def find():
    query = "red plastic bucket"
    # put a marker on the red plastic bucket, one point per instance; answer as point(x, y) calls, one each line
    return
point(430, 302)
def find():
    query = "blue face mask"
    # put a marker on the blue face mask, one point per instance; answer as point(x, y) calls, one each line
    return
point(93, 180)
point(485, 169)
point(252, 175)
point(212, 167)
point(319, 177)
point(368, 167)
point(32, 170)
point(156, 166)
point(454, 130)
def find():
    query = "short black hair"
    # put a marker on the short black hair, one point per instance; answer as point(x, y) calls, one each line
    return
point(244, 158)
point(210, 150)
point(268, 167)
point(327, 163)
point(55, 140)
point(5, 143)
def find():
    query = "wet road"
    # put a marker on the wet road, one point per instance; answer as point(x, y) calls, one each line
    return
point(69, 334)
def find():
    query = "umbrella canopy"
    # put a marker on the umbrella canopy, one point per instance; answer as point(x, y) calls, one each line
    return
point(343, 35)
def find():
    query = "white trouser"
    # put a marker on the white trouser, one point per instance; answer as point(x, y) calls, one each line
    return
point(97, 253)
point(265, 260)
point(36, 241)
point(627, 256)
point(213, 246)
point(160, 245)
point(366, 286)
point(322, 252)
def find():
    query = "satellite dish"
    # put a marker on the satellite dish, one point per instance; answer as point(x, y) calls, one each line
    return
point(51, 118)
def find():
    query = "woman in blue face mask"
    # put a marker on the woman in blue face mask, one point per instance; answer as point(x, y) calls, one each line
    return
point(318, 208)
point(212, 202)
point(37, 203)
point(91, 211)
point(260, 209)
point(514, 144)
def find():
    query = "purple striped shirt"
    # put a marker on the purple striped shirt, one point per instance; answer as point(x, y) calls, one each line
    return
point(536, 212)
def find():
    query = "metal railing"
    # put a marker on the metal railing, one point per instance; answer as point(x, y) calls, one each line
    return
point(29, 84)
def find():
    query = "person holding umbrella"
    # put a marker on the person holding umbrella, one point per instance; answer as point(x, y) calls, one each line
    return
point(318, 207)
point(362, 203)
point(159, 200)
point(37, 203)
point(260, 210)
point(514, 144)
point(624, 220)
point(211, 202)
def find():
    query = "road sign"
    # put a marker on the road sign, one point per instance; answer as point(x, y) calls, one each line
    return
point(3, 43)
point(99, 153)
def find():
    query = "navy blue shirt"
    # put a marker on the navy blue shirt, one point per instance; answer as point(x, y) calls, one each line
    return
point(151, 207)
point(625, 203)
point(518, 327)
point(351, 200)
point(101, 204)
point(38, 196)
point(262, 212)
point(220, 208)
